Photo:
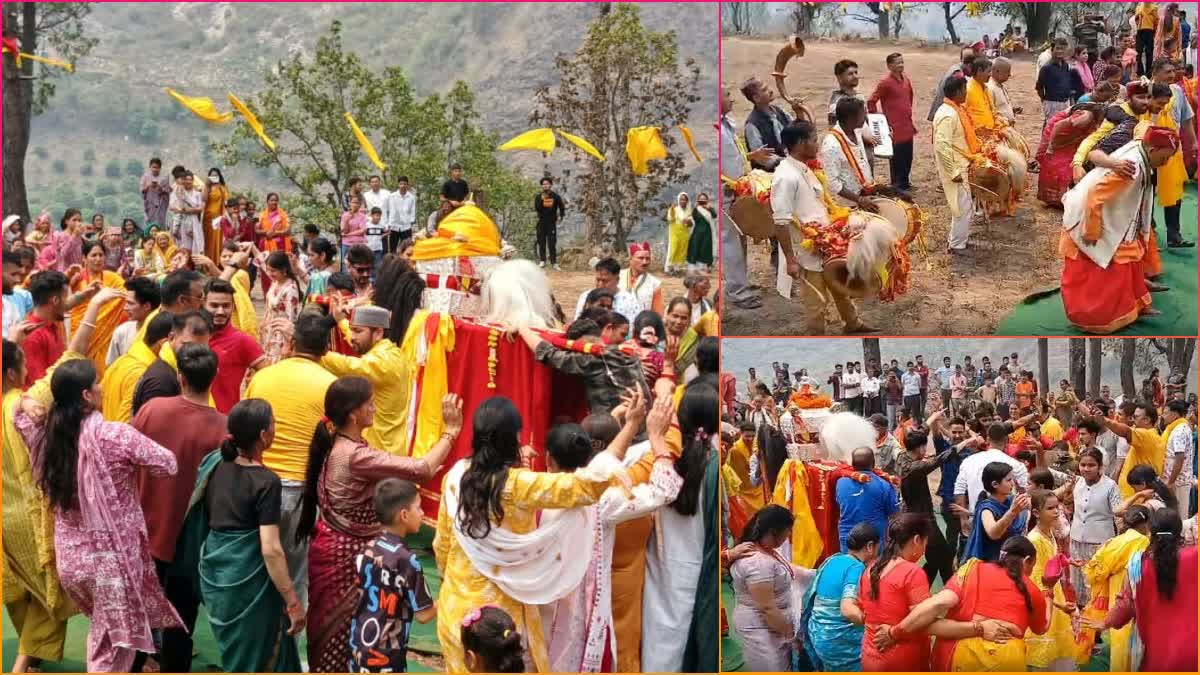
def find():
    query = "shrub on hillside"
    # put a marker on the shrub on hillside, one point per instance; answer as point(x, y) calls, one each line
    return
point(60, 166)
point(86, 170)
point(89, 155)
point(112, 169)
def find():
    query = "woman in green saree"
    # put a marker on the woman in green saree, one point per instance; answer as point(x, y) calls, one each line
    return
point(230, 542)
point(700, 242)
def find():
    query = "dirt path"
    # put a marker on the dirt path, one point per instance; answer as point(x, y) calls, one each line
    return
point(963, 295)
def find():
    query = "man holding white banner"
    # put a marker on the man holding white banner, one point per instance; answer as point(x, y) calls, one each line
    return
point(894, 94)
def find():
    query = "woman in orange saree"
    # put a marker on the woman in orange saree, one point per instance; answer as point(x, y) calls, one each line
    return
point(275, 232)
point(111, 315)
point(1060, 139)
point(216, 194)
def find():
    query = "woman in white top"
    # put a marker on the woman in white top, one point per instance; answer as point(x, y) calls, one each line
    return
point(1097, 504)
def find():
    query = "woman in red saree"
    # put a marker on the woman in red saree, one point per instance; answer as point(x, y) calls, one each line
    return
point(1063, 133)
point(340, 482)
point(988, 608)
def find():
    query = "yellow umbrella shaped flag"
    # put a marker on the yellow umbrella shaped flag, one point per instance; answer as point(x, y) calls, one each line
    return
point(251, 120)
point(691, 141)
point(541, 140)
point(365, 143)
point(202, 107)
point(581, 144)
point(643, 144)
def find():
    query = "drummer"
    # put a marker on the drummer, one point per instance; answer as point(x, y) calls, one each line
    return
point(954, 146)
point(844, 155)
point(797, 191)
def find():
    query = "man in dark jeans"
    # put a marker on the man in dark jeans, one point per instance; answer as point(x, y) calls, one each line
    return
point(914, 467)
point(960, 444)
point(550, 209)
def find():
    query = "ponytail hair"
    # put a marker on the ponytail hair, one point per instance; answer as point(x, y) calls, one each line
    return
point(490, 633)
point(903, 528)
point(343, 397)
point(60, 444)
point(1144, 474)
point(246, 423)
point(1136, 515)
point(1165, 539)
point(698, 414)
point(1013, 554)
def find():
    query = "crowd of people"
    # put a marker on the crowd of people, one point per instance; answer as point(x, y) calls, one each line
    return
point(174, 438)
point(1064, 525)
point(1118, 138)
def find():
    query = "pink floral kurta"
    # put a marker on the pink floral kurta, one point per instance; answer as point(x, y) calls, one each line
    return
point(101, 545)
point(283, 302)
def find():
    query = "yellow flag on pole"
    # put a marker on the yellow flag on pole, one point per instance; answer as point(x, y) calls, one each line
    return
point(691, 141)
point(541, 140)
point(202, 107)
point(252, 121)
point(365, 143)
point(643, 144)
point(581, 144)
point(41, 59)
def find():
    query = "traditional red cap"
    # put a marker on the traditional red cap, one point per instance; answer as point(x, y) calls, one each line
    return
point(1138, 88)
point(1161, 137)
point(638, 247)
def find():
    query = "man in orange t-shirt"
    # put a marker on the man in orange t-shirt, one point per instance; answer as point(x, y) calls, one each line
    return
point(1025, 392)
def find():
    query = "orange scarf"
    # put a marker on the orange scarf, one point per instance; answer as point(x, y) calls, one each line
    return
point(849, 153)
point(968, 126)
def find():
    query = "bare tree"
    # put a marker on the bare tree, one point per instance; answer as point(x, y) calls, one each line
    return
point(1043, 357)
point(1128, 384)
point(1078, 357)
point(871, 351)
point(950, 17)
point(1178, 352)
point(1095, 356)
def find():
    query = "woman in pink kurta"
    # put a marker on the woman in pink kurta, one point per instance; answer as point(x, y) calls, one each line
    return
point(87, 468)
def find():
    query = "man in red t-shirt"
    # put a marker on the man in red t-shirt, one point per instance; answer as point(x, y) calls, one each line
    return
point(237, 352)
point(45, 342)
point(190, 429)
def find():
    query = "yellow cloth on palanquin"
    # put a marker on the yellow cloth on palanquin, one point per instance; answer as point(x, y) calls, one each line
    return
point(466, 231)
point(791, 492)
point(425, 351)
point(464, 589)
point(31, 584)
point(111, 316)
point(739, 461)
point(1105, 574)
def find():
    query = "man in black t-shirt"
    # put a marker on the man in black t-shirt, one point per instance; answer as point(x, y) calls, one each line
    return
point(455, 190)
point(550, 209)
point(161, 377)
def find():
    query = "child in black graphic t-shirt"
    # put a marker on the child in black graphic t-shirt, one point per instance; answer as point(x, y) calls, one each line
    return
point(394, 590)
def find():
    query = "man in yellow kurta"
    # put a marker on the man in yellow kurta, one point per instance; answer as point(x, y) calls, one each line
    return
point(121, 378)
point(954, 146)
point(739, 460)
point(1146, 444)
point(1176, 115)
point(382, 363)
point(979, 100)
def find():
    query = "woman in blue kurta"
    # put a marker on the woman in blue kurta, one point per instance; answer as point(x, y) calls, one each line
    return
point(832, 619)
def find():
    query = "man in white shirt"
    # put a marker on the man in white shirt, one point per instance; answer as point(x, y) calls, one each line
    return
point(944, 375)
point(911, 381)
point(796, 193)
point(400, 214)
point(376, 197)
point(1177, 470)
point(142, 297)
point(844, 155)
point(852, 389)
point(969, 484)
point(870, 389)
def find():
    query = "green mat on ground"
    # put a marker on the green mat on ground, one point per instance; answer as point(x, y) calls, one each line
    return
point(423, 637)
point(1046, 316)
point(732, 659)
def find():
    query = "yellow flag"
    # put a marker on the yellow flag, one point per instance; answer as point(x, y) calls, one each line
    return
point(581, 144)
point(365, 143)
point(202, 107)
point(252, 121)
point(541, 140)
point(690, 140)
point(643, 144)
point(41, 59)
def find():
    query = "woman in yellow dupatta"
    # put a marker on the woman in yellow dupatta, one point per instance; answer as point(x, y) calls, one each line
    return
point(216, 195)
point(679, 224)
point(164, 252)
point(1105, 574)
point(680, 333)
point(111, 315)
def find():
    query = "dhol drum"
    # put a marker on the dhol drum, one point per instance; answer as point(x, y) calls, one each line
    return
point(752, 218)
point(907, 218)
point(858, 273)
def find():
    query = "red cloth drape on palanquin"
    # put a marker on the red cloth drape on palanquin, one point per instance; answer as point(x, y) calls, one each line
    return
point(541, 394)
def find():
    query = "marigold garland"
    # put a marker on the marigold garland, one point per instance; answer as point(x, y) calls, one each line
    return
point(493, 358)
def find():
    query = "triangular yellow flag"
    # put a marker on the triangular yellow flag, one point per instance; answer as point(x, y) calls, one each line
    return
point(251, 120)
point(691, 141)
point(541, 140)
point(41, 59)
point(365, 143)
point(643, 144)
point(581, 144)
point(202, 107)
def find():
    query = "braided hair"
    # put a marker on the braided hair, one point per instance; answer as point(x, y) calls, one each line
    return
point(903, 528)
point(1013, 554)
